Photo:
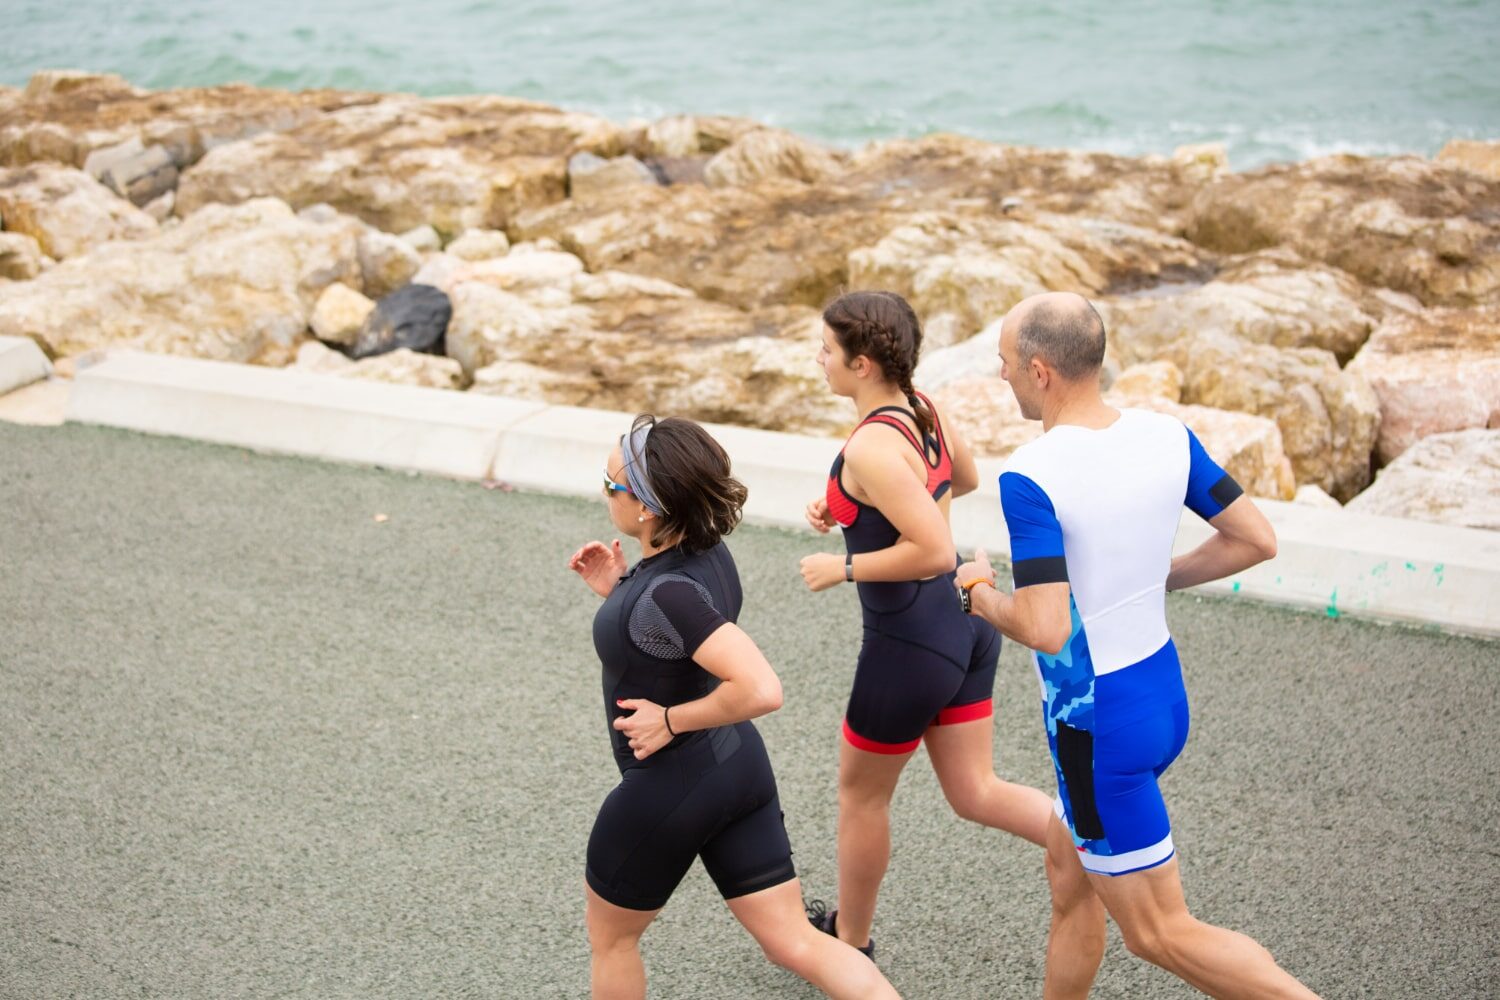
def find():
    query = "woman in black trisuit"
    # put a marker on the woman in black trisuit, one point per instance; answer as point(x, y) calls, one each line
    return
point(681, 682)
point(925, 668)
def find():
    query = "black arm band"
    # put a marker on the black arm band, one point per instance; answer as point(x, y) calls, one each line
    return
point(666, 716)
point(849, 568)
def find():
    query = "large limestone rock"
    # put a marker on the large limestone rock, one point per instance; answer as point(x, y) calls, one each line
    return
point(65, 116)
point(1328, 418)
point(623, 341)
point(454, 163)
point(1247, 447)
point(942, 171)
point(1420, 227)
point(1312, 496)
point(984, 412)
point(763, 381)
point(1433, 372)
point(480, 244)
point(134, 172)
point(230, 284)
point(399, 367)
point(781, 241)
point(1272, 297)
point(1150, 380)
point(386, 262)
point(1449, 478)
point(960, 274)
point(776, 243)
point(692, 135)
point(1203, 161)
point(339, 314)
point(1482, 158)
point(21, 257)
point(590, 176)
point(66, 211)
point(765, 153)
point(975, 358)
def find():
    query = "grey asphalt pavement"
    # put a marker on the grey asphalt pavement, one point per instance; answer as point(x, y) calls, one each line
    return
point(258, 743)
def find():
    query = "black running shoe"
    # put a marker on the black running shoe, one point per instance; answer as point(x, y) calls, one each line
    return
point(827, 921)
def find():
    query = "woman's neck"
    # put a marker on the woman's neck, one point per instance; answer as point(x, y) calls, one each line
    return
point(648, 550)
point(869, 399)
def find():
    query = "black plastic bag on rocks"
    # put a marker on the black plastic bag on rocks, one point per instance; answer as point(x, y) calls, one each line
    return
point(413, 316)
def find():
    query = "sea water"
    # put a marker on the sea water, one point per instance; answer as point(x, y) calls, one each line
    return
point(1272, 79)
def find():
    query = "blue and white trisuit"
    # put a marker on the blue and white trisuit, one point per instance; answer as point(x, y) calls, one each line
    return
point(1098, 509)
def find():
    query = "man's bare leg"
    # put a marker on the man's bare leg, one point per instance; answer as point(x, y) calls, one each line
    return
point(1154, 919)
point(1075, 945)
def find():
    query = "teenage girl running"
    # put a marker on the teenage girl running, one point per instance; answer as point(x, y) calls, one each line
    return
point(925, 668)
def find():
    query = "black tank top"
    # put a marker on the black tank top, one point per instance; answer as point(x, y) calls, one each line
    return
point(646, 644)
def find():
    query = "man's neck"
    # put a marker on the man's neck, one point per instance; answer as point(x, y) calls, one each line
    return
point(1078, 405)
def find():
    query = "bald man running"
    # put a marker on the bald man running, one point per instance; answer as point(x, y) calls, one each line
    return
point(1092, 508)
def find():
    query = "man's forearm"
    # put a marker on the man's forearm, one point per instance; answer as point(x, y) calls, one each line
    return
point(1002, 611)
point(1215, 559)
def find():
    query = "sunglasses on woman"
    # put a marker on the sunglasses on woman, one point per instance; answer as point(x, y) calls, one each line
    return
point(610, 486)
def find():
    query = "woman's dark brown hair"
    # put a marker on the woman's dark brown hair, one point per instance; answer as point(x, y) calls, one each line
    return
point(884, 328)
point(690, 474)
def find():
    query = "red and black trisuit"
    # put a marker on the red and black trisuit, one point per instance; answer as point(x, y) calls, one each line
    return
point(923, 661)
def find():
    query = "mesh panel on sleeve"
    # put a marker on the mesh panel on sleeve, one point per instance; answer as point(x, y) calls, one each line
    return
point(650, 630)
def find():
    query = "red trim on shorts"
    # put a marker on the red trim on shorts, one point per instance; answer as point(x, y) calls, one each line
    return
point(966, 713)
point(859, 742)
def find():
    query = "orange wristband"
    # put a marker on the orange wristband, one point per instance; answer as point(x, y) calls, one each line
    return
point(976, 582)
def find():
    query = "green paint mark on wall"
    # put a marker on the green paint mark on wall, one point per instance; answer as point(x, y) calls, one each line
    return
point(1437, 571)
point(1236, 586)
point(1411, 567)
point(1380, 570)
point(1333, 603)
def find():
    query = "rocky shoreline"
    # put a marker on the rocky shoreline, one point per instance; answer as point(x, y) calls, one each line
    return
point(1313, 322)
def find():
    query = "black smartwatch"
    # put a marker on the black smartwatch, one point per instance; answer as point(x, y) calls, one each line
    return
point(966, 594)
point(849, 568)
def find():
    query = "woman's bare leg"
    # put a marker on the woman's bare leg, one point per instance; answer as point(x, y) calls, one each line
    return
point(963, 757)
point(866, 782)
point(774, 917)
point(616, 972)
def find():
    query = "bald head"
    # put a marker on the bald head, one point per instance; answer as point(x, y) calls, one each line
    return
point(1062, 329)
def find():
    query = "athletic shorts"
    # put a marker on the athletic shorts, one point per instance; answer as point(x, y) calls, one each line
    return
point(923, 663)
point(713, 798)
point(1107, 777)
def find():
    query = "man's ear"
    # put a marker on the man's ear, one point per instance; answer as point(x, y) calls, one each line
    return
point(1040, 372)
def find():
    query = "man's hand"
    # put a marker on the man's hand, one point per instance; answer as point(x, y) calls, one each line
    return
point(978, 568)
point(817, 515)
point(646, 728)
point(822, 570)
point(600, 567)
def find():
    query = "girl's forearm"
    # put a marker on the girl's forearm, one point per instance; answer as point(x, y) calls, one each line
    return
point(906, 560)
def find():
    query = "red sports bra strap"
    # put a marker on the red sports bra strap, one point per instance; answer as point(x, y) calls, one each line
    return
point(879, 418)
point(937, 425)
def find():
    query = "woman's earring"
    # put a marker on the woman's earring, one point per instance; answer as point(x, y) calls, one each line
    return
point(641, 517)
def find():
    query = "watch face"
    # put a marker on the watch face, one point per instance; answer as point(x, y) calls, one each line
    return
point(966, 601)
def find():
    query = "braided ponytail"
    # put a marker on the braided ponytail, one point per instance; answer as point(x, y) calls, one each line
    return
point(884, 328)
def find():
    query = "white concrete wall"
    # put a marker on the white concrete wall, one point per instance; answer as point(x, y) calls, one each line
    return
point(21, 363)
point(1331, 561)
point(297, 413)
